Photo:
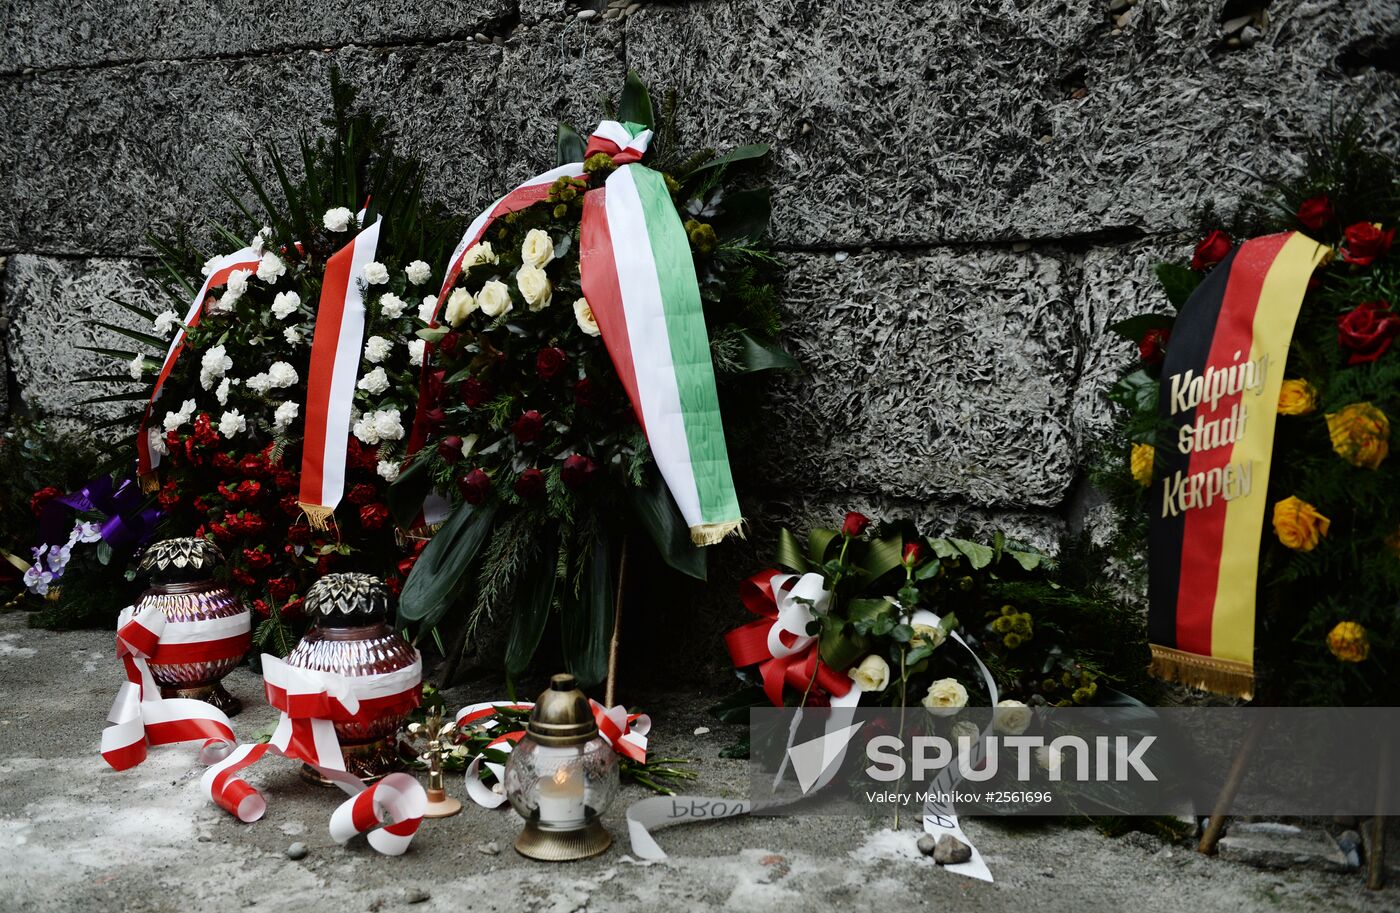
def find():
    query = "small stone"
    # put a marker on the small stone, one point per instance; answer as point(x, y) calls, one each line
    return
point(585, 15)
point(618, 4)
point(702, 730)
point(296, 851)
point(631, 8)
point(1250, 36)
point(840, 256)
point(927, 844)
point(491, 848)
point(418, 895)
point(612, 14)
point(481, 38)
point(1349, 842)
point(1117, 6)
point(1021, 247)
point(1231, 26)
point(951, 851)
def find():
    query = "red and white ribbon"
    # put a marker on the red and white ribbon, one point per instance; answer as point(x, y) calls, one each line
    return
point(336, 351)
point(140, 717)
point(312, 702)
point(147, 455)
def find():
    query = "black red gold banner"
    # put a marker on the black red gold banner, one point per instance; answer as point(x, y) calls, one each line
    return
point(1218, 400)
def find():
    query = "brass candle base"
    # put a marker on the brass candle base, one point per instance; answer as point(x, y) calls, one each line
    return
point(441, 805)
point(370, 761)
point(535, 842)
point(212, 694)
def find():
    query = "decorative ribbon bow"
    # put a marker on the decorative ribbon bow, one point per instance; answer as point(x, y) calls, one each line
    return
point(786, 655)
point(128, 522)
point(140, 717)
point(625, 732)
point(389, 812)
point(638, 276)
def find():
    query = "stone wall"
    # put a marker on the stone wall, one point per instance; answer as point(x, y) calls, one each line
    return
point(967, 192)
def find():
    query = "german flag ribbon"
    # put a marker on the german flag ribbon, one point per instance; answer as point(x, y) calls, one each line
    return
point(1218, 401)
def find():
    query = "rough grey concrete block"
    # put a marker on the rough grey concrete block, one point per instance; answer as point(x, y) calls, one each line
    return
point(52, 305)
point(45, 34)
point(978, 119)
point(944, 376)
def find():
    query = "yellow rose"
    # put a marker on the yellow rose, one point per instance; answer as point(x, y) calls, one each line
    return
point(538, 249)
point(1298, 397)
point(534, 286)
point(584, 315)
point(1360, 434)
point(1298, 525)
point(1144, 455)
point(494, 299)
point(460, 305)
point(1348, 642)
point(873, 673)
point(945, 697)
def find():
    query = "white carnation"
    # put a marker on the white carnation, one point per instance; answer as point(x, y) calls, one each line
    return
point(292, 335)
point(285, 415)
point(376, 273)
point(137, 367)
point(213, 365)
point(388, 471)
point(271, 268)
point(259, 242)
point(418, 272)
point(282, 374)
point(238, 282)
point(285, 304)
point(208, 268)
point(338, 219)
point(166, 321)
point(174, 420)
point(392, 306)
point(259, 383)
point(427, 308)
point(231, 423)
point(364, 429)
point(375, 382)
point(460, 305)
point(377, 349)
point(388, 424)
point(415, 352)
point(221, 393)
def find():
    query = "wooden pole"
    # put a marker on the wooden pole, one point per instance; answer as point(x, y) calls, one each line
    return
point(1375, 851)
point(1227, 792)
point(610, 691)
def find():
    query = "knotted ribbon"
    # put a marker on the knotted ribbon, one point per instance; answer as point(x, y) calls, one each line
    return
point(128, 521)
point(312, 702)
point(140, 717)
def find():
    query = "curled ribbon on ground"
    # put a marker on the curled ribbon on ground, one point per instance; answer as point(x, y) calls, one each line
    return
point(140, 717)
point(778, 643)
point(625, 732)
point(312, 702)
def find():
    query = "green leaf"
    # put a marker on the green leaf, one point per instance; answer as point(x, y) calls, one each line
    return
point(979, 556)
point(735, 708)
point(133, 308)
point(841, 644)
point(744, 216)
point(883, 556)
point(1178, 282)
point(433, 334)
point(1134, 328)
point(657, 512)
point(570, 146)
point(110, 353)
point(944, 548)
point(758, 356)
point(790, 552)
point(131, 396)
point(733, 156)
point(427, 593)
point(585, 621)
point(532, 606)
point(1137, 391)
point(408, 492)
point(1028, 560)
point(636, 102)
point(819, 543)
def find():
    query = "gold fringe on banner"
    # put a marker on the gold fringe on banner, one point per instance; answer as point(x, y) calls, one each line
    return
point(319, 516)
point(150, 482)
point(714, 533)
point(1220, 676)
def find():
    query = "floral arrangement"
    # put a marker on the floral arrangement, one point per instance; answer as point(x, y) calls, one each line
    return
point(529, 425)
point(1329, 581)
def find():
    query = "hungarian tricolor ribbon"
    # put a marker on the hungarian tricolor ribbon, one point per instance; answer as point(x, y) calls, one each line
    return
point(638, 277)
point(1219, 392)
point(625, 732)
point(147, 444)
point(312, 702)
point(334, 368)
point(140, 717)
point(778, 643)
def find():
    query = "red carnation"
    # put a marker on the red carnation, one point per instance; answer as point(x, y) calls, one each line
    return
point(248, 491)
point(204, 433)
point(584, 394)
point(201, 504)
point(254, 465)
point(362, 493)
point(1367, 330)
point(223, 462)
point(549, 362)
point(257, 559)
point(1212, 249)
point(474, 486)
point(169, 496)
point(528, 427)
point(450, 448)
point(285, 480)
point(293, 609)
point(854, 525)
point(281, 588)
point(221, 532)
point(360, 456)
point(373, 516)
point(394, 584)
point(261, 607)
point(474, 392)
point(1152, 348)
point(242, 577)
point(913, 554)
point(1315, 212)
point(42, 497)
point(1365, 243)
point(406, 565)
point(248, 523)
point(578, 470)
point(289, 505)
point(298, 534)
point(530, 485)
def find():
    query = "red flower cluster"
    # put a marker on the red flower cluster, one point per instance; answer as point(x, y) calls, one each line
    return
point(1367, 330)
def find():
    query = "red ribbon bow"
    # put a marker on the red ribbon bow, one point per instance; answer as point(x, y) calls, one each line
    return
point(748, 645)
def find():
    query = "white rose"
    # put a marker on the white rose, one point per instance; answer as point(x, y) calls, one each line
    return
point(427, 308)
point(416, 348)
point(873, 673)
point(494, 299)
point(166, 321)
point(282, 374)
point(137, 367)
point(221, 394)
point(945, 697)
point(238, 282)
point(1011, 717)
point(460, 305)
point(534, 286)
point(364, 429)
point(928, 636)
point(376, 273)
point(418, 272)
point(271, 268)
point(584, 315)
point(375, 382)
point(231, 423)
point(285, 304)
point(377, 349)
point(388, 471)
point(259, 383)
point(285, 415)
point(292, 335)
point(966, 729)
point(538, 248)
point(388, 424)
point(338, 219)
point(478, 254)
point(391, 306)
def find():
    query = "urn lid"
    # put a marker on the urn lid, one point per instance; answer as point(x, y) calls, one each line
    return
point(180, 560)
point(348, 600)
point(562, 715)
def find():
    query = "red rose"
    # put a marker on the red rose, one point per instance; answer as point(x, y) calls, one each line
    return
point(40, 498)
point(434, 417)
point(373, 516)
point(528, 427)
point(1366, 243)
point(257, 560)
point(474, 392)
point(549, 362)
point(298, 534)
point(530, 485)
point(913, 554)
point(449, 343)
point(1152, 348)
point(1212, 249)
point(578, 470)
point(1367, 330)
point(362, 493)
point(474, 486)
point(1315, 212)
point(281, 588)
point(450, 448)
point(584, 394)
point(854, 525)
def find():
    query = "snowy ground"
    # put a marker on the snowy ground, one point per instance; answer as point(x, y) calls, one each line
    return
point(74, 835)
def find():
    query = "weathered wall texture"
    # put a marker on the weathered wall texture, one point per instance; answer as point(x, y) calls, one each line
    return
point(967, 192)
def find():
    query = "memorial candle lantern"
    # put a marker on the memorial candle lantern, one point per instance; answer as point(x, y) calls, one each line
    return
point(561, 777)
